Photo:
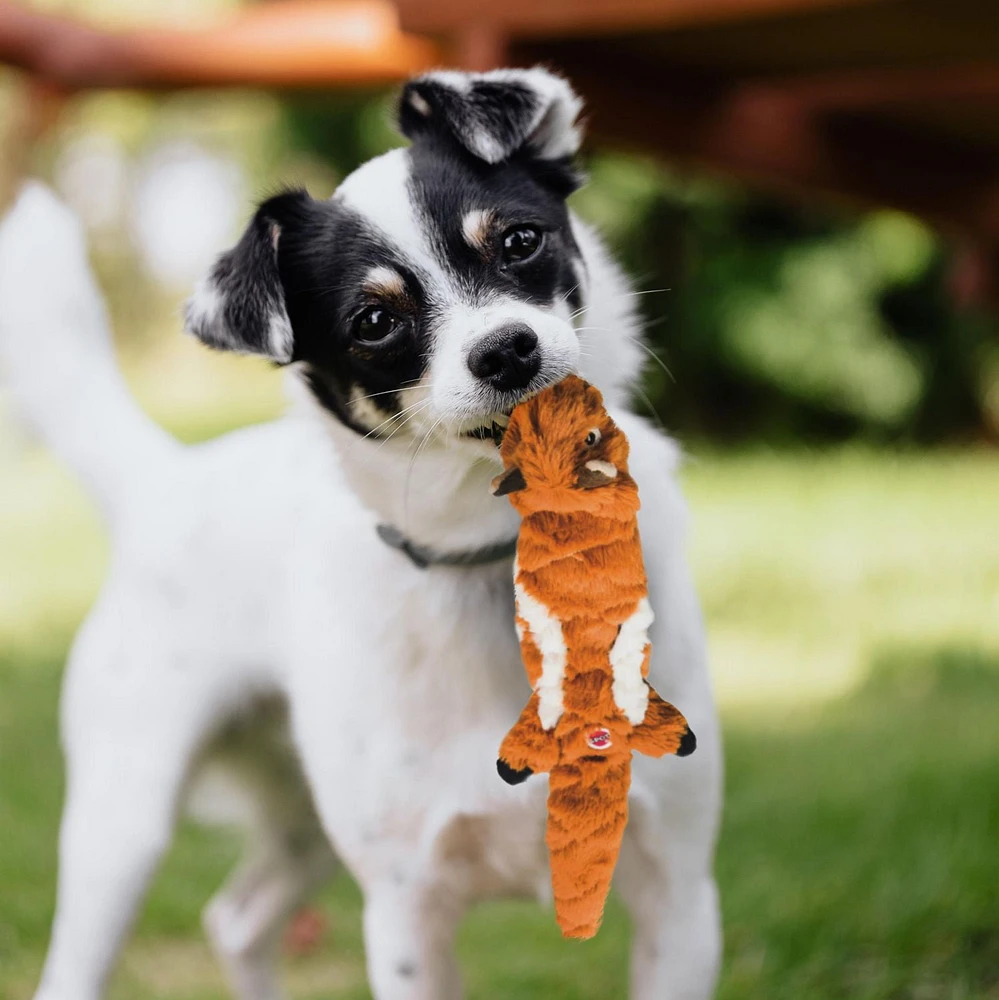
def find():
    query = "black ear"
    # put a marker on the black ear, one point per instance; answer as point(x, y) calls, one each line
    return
point(495, 115)
point(240, 304)
point(511, 481)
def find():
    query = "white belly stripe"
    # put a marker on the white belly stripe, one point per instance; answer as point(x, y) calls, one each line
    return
point(631, 693)
point(546, 630)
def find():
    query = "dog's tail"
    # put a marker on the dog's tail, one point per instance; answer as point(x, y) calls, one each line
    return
point(57, 355)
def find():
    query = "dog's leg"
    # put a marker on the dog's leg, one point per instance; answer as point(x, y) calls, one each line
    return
point(664, 876)
point(130, 729)
point(246, 917)
point(413, 896)
point(409, 940)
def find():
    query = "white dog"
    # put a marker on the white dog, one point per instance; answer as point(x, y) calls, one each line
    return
point(310, 624)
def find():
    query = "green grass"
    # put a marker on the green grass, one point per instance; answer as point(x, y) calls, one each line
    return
point(853, 607)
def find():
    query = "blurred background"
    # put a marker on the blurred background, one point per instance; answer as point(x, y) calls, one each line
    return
point(806, 193)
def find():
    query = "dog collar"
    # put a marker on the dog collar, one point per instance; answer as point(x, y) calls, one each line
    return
point(424, 556)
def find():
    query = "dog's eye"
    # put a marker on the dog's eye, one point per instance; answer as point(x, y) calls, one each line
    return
point(375, 324)
point(520, 243)
point(592, 438)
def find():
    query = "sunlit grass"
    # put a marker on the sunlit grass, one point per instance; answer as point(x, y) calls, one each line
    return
point(853, 607)
point(809, 568)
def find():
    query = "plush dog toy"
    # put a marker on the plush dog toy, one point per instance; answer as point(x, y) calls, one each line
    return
point(582, 616)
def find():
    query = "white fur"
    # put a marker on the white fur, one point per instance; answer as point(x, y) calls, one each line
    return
point(631, 693)
point(546, 631)
point(247, 580)
point(279, 336)
point(609, 469)
point(378, 192)
point(55, 350)
point(419, 104)
point(205, 303)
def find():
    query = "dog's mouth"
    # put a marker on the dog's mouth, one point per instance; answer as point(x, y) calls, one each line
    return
point(491, 431)
point(494, 425)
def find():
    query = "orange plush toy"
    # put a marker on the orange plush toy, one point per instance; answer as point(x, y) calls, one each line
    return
point(582, 616)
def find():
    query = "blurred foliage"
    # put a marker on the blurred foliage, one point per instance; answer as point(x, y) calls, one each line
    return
point(771, 321)
point(343, 129)
point(782, 323)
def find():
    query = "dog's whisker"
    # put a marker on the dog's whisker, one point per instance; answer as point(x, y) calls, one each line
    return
point(652, 409)
point(388, 420)
point(405, 387)
point(635, 340)
point(406, 410)
point(655, 357)
point(389, 437)
point(409, 414)
point(565, 297)
point(412, 463)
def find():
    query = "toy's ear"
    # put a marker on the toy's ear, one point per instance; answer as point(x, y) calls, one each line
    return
point(511, 481)
point(240, 304)
point(495, 115)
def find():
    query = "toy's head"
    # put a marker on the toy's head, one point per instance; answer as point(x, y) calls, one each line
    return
point(563, 453)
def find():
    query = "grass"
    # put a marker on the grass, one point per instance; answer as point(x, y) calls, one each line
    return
point(853, 607)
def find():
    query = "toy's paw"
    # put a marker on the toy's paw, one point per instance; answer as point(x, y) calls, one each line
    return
point(688, 744)
point(510, 775)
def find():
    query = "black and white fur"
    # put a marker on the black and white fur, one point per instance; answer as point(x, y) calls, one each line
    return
point(259, 653)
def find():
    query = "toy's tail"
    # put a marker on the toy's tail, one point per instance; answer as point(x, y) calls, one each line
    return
point(587, 813)
point(55, 348)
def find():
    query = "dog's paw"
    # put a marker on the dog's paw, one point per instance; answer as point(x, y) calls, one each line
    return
point(510, 775)
point(688, 744)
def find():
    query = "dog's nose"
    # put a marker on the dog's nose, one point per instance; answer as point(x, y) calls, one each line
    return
point(507, 358)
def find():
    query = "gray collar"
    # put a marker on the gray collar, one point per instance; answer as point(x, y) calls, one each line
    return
point(424, 556)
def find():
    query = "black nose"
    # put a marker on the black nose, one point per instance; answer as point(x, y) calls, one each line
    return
point(507, 358)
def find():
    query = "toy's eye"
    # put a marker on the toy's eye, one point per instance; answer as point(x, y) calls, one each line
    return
point(520, 243)
point(593, 438)
point(375, 324)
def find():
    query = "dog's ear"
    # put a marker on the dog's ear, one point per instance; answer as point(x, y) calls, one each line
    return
point(240, 304)
point(495, 115)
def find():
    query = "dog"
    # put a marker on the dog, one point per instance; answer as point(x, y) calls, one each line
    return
point(308, 626)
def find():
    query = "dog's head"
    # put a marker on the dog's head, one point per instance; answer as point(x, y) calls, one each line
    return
point(439, 284)
point(563, 453)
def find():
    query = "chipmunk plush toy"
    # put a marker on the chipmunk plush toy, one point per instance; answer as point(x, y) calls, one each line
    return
point(582, 616)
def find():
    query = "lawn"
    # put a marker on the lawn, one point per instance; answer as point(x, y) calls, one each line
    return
point(853, 606)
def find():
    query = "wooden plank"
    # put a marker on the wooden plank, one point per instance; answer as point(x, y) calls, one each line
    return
point(289, 44)
point(874, 89)
point(564, 18)
point(766, 136)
